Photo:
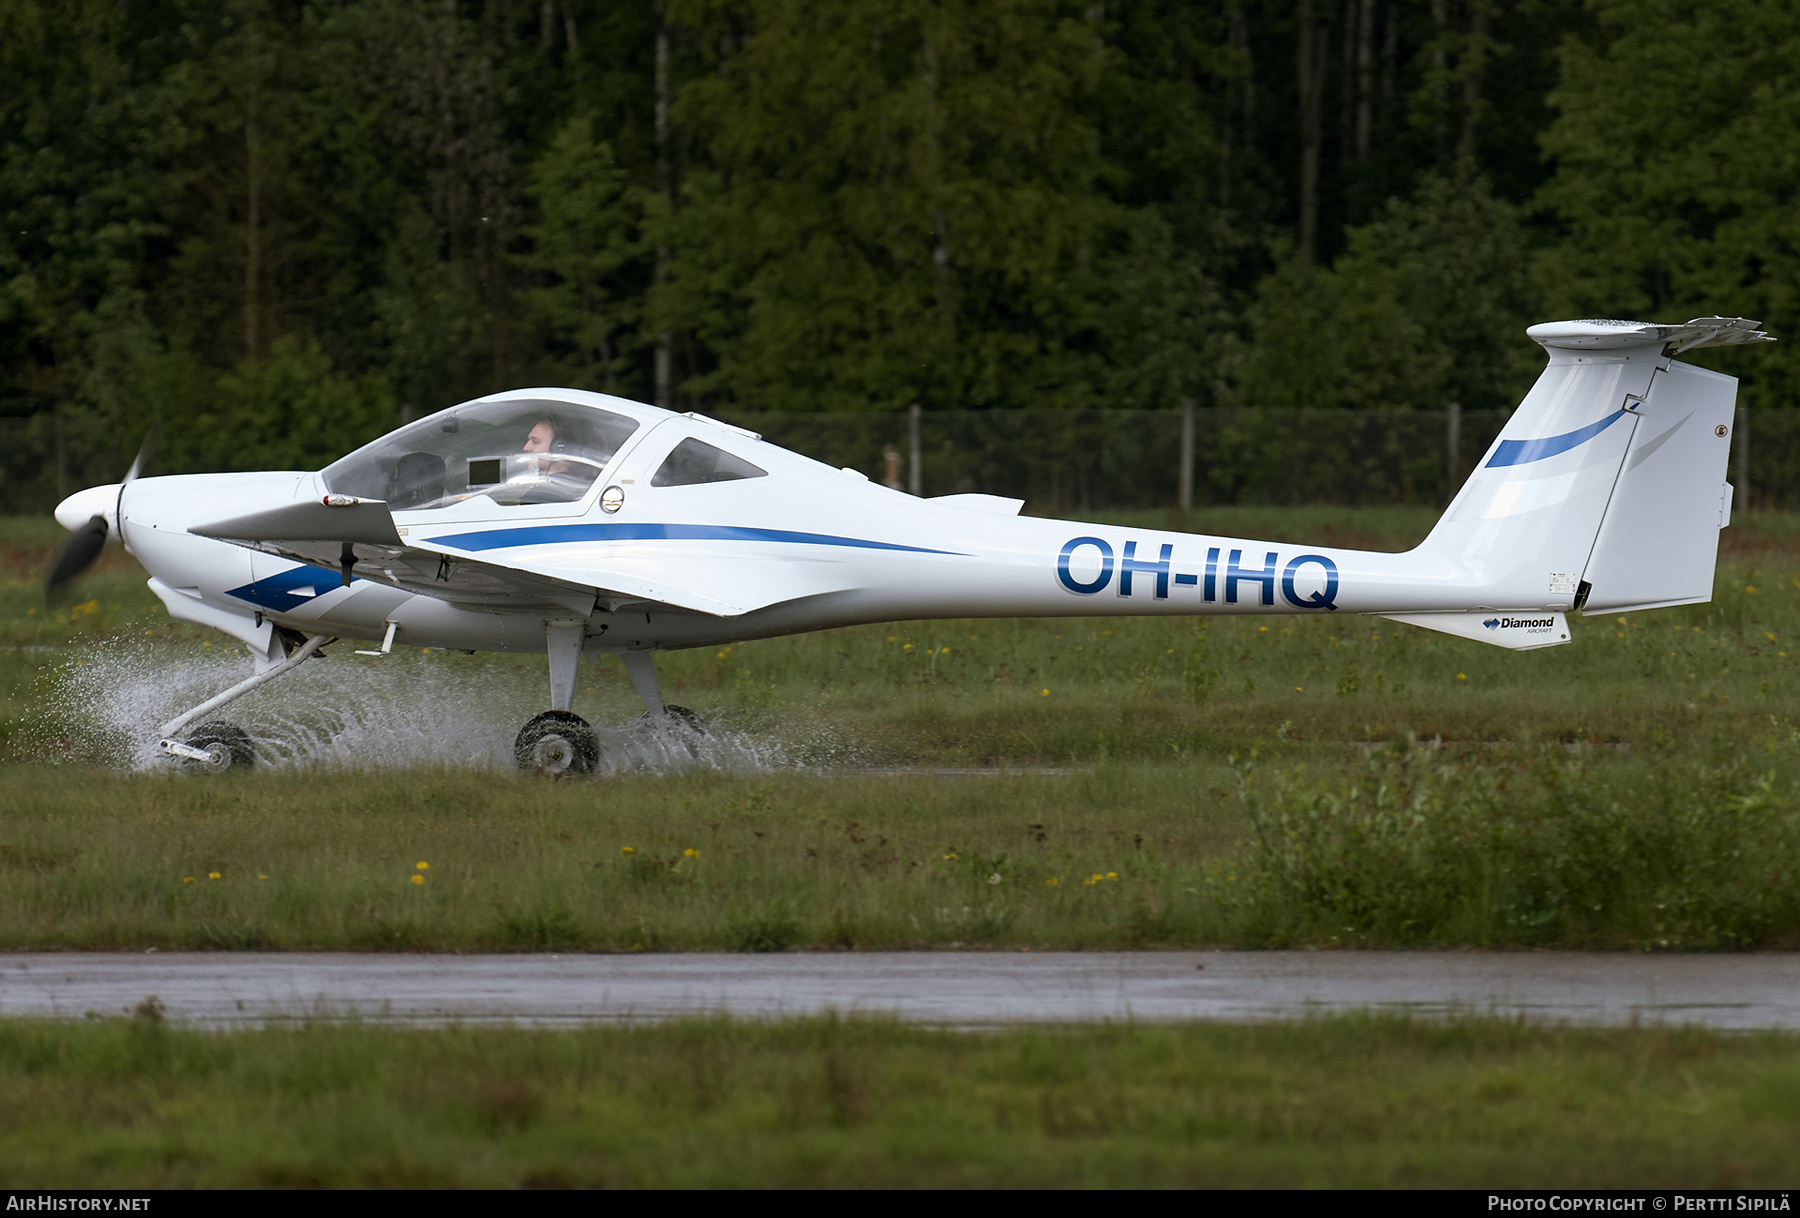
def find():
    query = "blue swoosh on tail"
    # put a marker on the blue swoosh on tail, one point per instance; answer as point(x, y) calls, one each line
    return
point(556, 534)
point(1524, 452)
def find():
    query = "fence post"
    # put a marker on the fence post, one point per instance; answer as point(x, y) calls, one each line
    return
point(915, 476)
point(1185, 494)
point(1741, 493)
point(1452, 451)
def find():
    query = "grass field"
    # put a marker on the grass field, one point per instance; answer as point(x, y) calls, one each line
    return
point(1232, 781)
point(1300, 782)
point(134, 1103)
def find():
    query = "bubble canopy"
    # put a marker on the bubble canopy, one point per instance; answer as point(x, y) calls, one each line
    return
point(513, 453)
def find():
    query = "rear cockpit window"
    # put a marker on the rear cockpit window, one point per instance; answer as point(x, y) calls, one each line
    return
point(693, 462)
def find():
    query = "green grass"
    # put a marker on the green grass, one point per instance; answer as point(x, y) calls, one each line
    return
point(1635, 789)
point(1343, 1102)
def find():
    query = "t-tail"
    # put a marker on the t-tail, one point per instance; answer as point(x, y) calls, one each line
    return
point(1605, 491)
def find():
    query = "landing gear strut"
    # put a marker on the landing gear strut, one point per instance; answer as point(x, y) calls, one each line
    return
point(559, 741)
point(218, 746)
point(641, 666)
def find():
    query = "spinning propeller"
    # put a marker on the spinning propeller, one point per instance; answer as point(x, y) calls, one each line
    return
point(78, 553)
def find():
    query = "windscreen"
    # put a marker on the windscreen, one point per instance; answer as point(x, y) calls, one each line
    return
point(513, 453)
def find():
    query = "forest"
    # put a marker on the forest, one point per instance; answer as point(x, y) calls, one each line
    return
point(287, 225)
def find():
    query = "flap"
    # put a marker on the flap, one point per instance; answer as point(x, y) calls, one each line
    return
point(720, 580)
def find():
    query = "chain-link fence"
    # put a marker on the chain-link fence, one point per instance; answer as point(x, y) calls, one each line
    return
point(1059, 460)
point(1077, 460)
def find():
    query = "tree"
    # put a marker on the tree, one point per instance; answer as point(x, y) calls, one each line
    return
point(582, 242)
point(1678, 174)
point(1427, 307)
point(901, 199)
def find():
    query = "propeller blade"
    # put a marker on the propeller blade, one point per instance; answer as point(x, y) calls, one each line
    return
point(74, 556)
point(146, 451)
point(84, 544)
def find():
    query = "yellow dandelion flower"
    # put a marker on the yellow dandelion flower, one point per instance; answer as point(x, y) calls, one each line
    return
point(262, 877)
point(906, 647)
point(627, 850)
point(422, 865)
point(187, 879)
point(1044, 693)
point(212, 875)
point(1462, 676)
point(691, 852)
point(1112, 875)
point(950, 858)
point(417, 878)
point(1053, 881)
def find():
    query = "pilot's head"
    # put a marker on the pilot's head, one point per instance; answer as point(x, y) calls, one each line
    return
point(541, 437)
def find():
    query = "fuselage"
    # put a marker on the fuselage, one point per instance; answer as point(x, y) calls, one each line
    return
point(796, 546)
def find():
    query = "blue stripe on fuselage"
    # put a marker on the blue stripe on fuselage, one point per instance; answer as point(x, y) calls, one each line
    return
point(1524, 452)
point(558, 534)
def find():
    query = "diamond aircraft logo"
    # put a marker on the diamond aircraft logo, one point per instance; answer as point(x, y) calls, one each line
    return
point(1492, 623)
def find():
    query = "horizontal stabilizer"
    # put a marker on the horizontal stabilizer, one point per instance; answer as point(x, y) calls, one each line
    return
point(1606, 334)
point(1516, 631)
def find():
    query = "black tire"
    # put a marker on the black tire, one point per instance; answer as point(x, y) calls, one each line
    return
point(680, 717)
point(229, 745)
point(688, 719)
point(557, 743)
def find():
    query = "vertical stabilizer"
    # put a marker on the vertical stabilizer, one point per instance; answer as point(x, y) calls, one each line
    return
point(1522, 527)
point(1607, 486)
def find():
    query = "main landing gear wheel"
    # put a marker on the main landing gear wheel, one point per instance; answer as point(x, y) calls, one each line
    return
point(677, 727)
point(226, 745)
point(679, 717)
point(557, 743)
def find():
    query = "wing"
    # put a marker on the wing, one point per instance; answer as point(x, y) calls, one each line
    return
point(534, 570)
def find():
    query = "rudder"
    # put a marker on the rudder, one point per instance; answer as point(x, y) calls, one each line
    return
point(1659, 540)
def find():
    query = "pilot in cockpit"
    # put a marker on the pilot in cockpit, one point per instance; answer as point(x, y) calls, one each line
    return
point(542, 439)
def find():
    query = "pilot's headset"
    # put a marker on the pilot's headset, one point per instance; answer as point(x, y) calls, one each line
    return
point(557, 444)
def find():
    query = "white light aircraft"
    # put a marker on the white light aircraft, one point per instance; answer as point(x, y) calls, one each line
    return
point(582, 525)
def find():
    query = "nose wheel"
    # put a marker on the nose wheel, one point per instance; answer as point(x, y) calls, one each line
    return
point(214, 748)
point(557, 742)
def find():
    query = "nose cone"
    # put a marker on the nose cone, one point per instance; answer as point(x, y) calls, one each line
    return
point(83, 506)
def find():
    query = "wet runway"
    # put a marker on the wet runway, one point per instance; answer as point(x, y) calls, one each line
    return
point(962, 989)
